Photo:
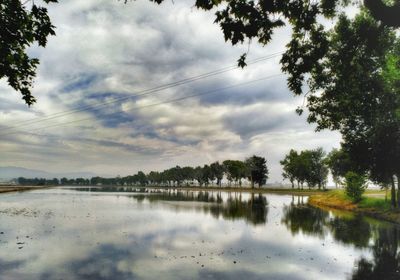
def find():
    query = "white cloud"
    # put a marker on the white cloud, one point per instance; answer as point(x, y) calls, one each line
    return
point(106, 50)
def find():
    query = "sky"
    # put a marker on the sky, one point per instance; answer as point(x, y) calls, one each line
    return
point(93, 112)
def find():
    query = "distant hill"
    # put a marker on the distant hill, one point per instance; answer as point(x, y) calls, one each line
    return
point(11, 172)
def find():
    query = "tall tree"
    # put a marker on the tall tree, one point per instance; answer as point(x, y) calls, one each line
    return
point(339, 164)
point(290, 170)
point(217, 171)
point(257, 170)
point(361, 99)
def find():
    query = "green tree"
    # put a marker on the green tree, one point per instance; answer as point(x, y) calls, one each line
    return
point(289, 167)
point(198, 175)
point(236, 170)
point(217, 171)
point(317, 171)
point(257, 170)
point(141, 178)
point(207, 175)
point(23, 24)
point(361, 99)
point(355, 185)
point(339, 164)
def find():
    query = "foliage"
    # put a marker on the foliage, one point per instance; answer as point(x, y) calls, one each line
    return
point(217, 172)
point(257, 171)
point(355, 185)
point(23, 24)
point(234, 170)
point(289, 167)
point(307, 166)
point(338, 161)
point(355, 90)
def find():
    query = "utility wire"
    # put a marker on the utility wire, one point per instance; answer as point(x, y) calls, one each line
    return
point(150, 105)
point(139, 93)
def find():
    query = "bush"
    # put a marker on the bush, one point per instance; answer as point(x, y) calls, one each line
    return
point(355, 185)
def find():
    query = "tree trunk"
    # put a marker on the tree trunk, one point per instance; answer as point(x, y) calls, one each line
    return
point(393, 194)
point(398, 190)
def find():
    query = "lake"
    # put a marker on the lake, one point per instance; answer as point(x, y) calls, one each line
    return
point(128, 233)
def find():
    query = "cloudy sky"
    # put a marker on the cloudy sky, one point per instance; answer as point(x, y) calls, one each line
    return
point(107, 54)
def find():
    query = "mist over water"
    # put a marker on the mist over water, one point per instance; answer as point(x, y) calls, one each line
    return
point(129, 233)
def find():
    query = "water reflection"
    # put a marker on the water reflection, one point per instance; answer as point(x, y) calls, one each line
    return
point(252, 208)
point(130, 233)
point(355, 230)
point(386, 257)
point(302, 218)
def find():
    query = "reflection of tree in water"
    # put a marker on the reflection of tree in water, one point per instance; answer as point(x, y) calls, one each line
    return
point(314, 221)
point(253, 210)
point(354, 230)
point(385, 264)
point(302, 218)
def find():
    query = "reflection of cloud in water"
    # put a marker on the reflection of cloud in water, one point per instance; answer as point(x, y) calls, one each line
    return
point(178, 236)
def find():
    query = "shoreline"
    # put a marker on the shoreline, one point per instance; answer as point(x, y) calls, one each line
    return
point(328, 199)
point(9, 189)
point(331, 200)
point(277, 190)
point(249, 190)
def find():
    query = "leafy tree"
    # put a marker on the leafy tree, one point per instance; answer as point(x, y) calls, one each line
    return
point(217, 171)
point(317, 171)
point(154, 177)
point(188, 173)
point(236, 170)
point(257, 171)
point(289, 167)
point(307, 166)
point(207, 175)
point(141, 178)
point(198, 175)
point(355, 185)
point(23, 24)
point(361, 99)
point(339, 163)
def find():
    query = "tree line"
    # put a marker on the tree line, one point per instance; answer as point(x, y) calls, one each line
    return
point(254, 169)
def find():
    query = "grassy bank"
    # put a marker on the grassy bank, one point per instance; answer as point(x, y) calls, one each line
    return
point(372, 204)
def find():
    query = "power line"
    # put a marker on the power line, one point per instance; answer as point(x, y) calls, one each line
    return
point(139, 93)
point(151, 105)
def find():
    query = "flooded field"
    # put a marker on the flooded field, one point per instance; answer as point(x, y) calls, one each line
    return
point(124, 233)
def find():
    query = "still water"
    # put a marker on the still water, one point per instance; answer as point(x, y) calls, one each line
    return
point(124, 233)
